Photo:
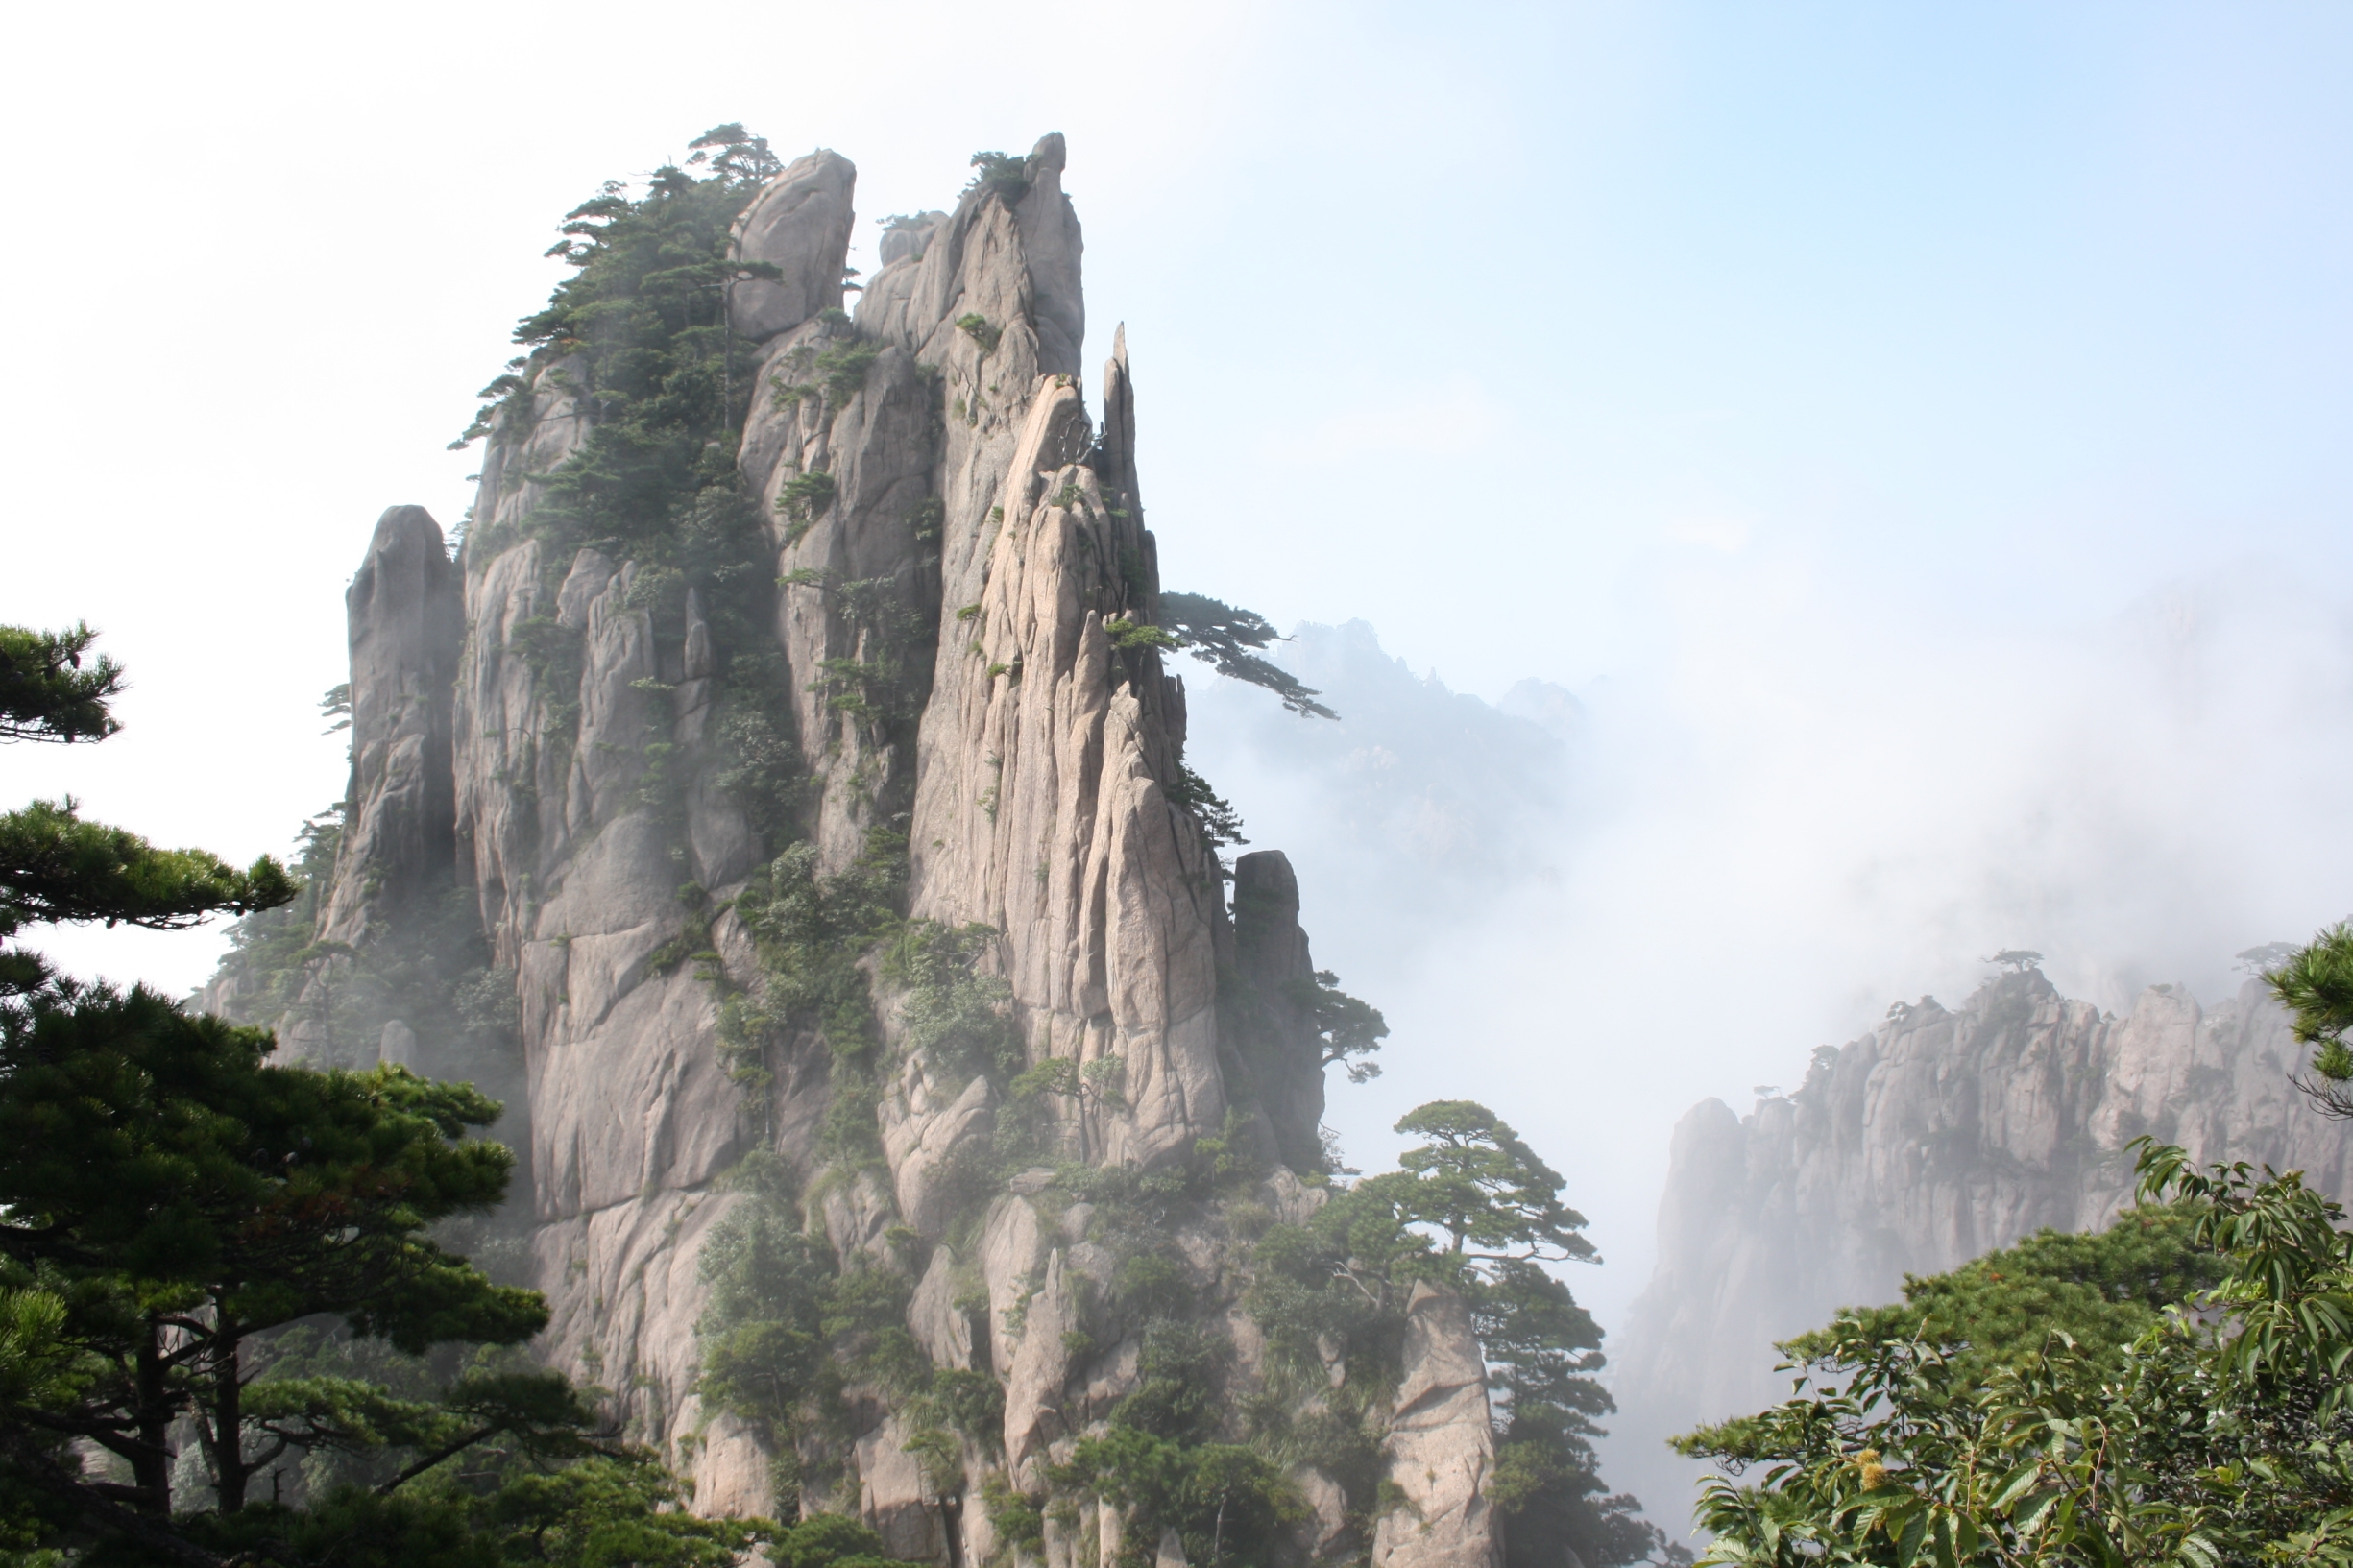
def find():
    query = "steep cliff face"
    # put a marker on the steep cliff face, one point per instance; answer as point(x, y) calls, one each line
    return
point(1940, 1136)
point(953, 693)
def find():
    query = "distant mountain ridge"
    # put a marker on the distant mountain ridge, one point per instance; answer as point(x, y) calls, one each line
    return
point(1941, 1135)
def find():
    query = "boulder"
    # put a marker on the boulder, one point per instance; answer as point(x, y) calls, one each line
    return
point(800, 225)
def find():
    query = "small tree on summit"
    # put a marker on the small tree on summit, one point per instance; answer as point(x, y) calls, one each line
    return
point(736, 153)
point(1477, 1182)
point(1498, 1217)
point(2017, 960)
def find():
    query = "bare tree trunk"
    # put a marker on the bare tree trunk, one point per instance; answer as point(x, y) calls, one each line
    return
point(229, 1419)
point(150, 1457)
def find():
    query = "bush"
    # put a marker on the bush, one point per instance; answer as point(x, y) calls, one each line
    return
point(977, 327)
point(1001, 175)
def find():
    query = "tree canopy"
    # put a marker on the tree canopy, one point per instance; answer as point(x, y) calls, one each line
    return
point(46, 694)
point(1476, 1182)
point(56, 867)
point(2314, 983)
point(1219, 633)
point(2037, 1408)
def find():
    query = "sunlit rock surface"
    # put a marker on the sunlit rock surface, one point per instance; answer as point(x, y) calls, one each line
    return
point(506, 705)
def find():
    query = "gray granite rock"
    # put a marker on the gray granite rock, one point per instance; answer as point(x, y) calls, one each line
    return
point(799, 225)
point(406, 614)
point(976, 539)
point(1441, 1446)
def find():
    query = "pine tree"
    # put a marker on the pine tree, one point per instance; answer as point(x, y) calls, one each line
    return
point(54, 866)
point(171, 1201)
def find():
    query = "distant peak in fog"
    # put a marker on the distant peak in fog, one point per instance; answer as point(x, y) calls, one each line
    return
point(1553, 709)
point(1420, 793)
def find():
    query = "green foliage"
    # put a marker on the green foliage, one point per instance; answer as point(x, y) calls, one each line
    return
point(1224, 636)
point(1001, 175)
point(1017, 1519)
point(1542, 1353)
point(1348, 1030)
point(1167, 1458)
point(2316, 985)
point(764, 1351)
point(2219, 1435)
point(2104, 1291)
point(638, 334)
point(787, 1333)
point(1137, 636)
point(598, 1515)
point(975, 326)
point(831, 1540)
point(764, 774)
point(928, 518)
point(810, 933)
point(45, 694)
point(803, 500)
point(951, 1012)
point(171, 1204)
point(1225, 1502)
point(971, 1403)
point(841, 370)
point(1480, 1185)
point(1337, 1289)
point(216, 1198)
point(1220, 824)
point(56, 867)
point(878, 689)
point(642, 322)
point(181, 1217)
point(736, 155)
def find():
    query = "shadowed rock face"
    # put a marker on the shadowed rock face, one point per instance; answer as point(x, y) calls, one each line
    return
point(407, 621)
point(1938, 1137)
point(506, 706)
point(1276, 1020)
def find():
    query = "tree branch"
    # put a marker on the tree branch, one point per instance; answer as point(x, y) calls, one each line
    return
point(427, 1462)
point(45, 1474)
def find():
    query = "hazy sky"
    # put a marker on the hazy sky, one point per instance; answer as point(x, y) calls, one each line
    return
point(1918, 433)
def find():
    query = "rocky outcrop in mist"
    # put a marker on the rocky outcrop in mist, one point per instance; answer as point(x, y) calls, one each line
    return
point(1938, 1137)
point(646, 810)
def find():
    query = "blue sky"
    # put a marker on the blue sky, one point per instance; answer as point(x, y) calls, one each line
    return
point(1918, 432)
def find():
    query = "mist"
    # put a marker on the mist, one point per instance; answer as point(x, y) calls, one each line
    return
point(1786, 506)
point(1678, 878)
